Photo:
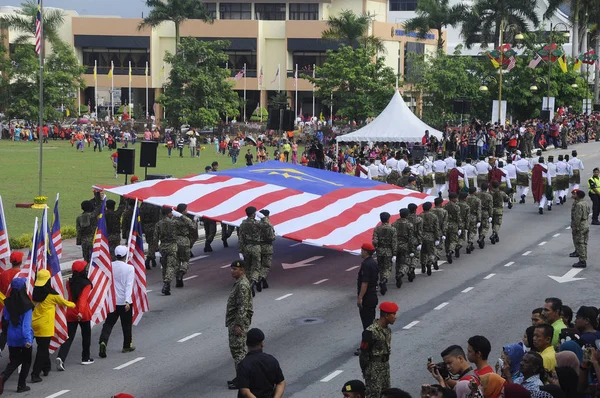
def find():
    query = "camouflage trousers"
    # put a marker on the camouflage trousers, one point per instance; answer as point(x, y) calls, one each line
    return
point(377, 378)
point(183, 257)
point(149, 232)
point(472, 231)
point(252, 259)
point(485, 224)
point(451, 238)
point(168, 260)
point(462, 239)
point(237, 345)
point(266, 258)
point(404, 263)
point(384, 262)
point(580, 241)
point(496, 221)
point(427, 252)
point(226, 231)
point(86, 249)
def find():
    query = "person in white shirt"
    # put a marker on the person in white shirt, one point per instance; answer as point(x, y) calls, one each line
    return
point(576, 168)
point(470, 173)
point(511, 174)
point(401, 165)
point(551, 166)
point(534, 160)
point(373, 170)
point(450, 162)
point(392, 162)
point(362, 170)
point(483, 169)
point(427, 173)
point(440, 169)
point(523, 168)
point(123, 275)
point(382, 170)
point(562, 179)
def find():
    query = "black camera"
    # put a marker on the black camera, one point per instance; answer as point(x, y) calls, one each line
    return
point(442, 369)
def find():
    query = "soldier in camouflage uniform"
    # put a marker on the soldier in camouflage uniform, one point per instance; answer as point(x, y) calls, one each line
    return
point(487, 209)
point(394, 178)
point(498, 199)
point(226, 231)
point(403, 182)
point(249, 246)
point(184, 230)
point(167, 239)
point(385, 242)
point(375, 350)
point(210, 231)
point(474, 218)
point(417, 223)
point(454, 225)
point(465, 214)
point(412, 184)
point(86, 224)
point(580, 228)
point(113, 224)
point(405, 250)
point(238, 316)
point(442, 215)
point(126, 218)
point(431, 238)
point(150, 215)
point(267, 237)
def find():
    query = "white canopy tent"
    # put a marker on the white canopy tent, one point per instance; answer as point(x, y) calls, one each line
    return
point(397, 123)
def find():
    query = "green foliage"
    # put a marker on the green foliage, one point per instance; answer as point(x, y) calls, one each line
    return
point(361, 86)
point(199, 90)
point(23, 22)
point(68, 232)
point(353, 30)
point(435, 15)
point(279, 98)
point(20, 242)
point(176, 11)
point(258, 113)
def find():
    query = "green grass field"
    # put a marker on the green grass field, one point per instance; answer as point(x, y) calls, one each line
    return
point(73, 173)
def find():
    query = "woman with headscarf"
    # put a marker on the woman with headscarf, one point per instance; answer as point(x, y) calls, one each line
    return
point(512, 355)
point(568, 380)
point(574, 347)
point(492, 385)
point(46, 299)
point(567, 359)
point(16, 320)
point(78, 290)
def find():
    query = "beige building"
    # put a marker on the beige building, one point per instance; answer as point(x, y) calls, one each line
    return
point(264, 36)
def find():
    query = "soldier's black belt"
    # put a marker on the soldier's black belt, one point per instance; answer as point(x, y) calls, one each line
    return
point(380, 358)
point(253, 243)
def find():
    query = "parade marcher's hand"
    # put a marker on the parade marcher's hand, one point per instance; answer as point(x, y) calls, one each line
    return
point(443, 237)
point(359, 303)
point(459, 232)
point(27, 345)
point(394, 259)
point(437, 242)
point(490, 219)
point(237, 330)
point(241, 256)
point(79, 316)
point(419, 248)
point(127, 307)
point(478, 224)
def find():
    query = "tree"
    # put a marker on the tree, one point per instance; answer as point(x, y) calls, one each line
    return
point(199, 90)
point(361, 86)
point(176, 11)
point(352, 29)
point(482, 23)
point(435, 14)
point(579, 16)
point(24, 22)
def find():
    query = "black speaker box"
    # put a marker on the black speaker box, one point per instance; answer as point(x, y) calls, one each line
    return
point(596, 107)
point(462, 107)
point(288, 120)
point(158, 176)
point(273, 119)
point(545, 114)
point(126, 161)
point(148, 154)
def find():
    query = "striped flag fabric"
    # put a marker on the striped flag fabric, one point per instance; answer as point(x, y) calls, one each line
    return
point(136, 258)
point(296, 77)
point(4, 242)
point(276, 76)
point(313, 206)
point(38, 28)
point(240, 74)
point(53, 263)
point(512, 62)
point(27, 269)
point(56, 235)
point(42, 244)
point(535, 61)
point(103, 299)
point(260, 77)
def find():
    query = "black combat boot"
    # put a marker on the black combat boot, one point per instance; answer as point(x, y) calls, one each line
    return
point(580, 264)
point(383, 286)
point(153, 262)
point(166, 290)
point(436, 265)
point(179, 279)
point(574, 254)
point(265, 285)
point(423, 269)
point(252, 286)
point(428, 269)
point(148, 266)
point(411, 275)
point(258, 285)
point(225, 244)
point(522, 199)
point(449, 257)
point(398, 281)
point(481, 242)
point(457, 251)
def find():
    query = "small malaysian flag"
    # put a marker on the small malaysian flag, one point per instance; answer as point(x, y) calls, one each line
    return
point(61, 333)
point(512, 62)
point(56, 235)
point(240, 74)
point(296, 78)
point(535, 61)
point(136, 258)
point(4, 243)
point(27, 269)
point(260, 77)
point(38, 28)
point(276, 75)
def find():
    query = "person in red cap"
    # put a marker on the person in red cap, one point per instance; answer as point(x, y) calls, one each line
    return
point(78, 290)
point(123, 395)
point(368, 274)
point(580, 229)
point(375, 350)
point(134, 179)
point(16, 259)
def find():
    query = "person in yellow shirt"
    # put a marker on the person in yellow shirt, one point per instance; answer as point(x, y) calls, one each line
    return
point(542, 341)
point(46, 299)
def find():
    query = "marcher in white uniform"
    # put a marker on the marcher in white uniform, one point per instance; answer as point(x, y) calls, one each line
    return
point(551, 166)
point(483, 169)
point(470, 173)
point(440, 169)
point(427, 173)
point(576, 169)
point(562, 179)
point(523, 168)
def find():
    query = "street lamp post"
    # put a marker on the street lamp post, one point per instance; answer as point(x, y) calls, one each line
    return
point(566, 35)
point(518, 36)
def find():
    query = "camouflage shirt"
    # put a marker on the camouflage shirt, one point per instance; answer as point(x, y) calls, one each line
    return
point(249, 233)
point(376, 343)
point(385, 240)
point(417, 222)
point(487, 206)
point(475, 206)
point(165, 231)
point(405, 233)
point(239, 304)
point(431, 226)
point(149, 213)
point(465, 213)
point(394, 178)
point(113, 219)
point(267, 236)
point(442, 215)
point(580, 211)
point(454, 214)
point(184, 230)
point(498, 198)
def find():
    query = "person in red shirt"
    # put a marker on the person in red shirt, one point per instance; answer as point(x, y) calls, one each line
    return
point(78, 290)
point(114, 158)
point(16, 259)
point(45, 132)
point(477, 353)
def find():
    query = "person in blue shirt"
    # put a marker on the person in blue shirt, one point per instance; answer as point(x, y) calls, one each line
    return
point(18, 310)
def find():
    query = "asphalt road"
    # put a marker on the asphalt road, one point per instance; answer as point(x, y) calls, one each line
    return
point(182, 346)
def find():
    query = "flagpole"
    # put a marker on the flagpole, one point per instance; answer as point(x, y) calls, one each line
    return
point(78, 103)
point(244, 92)
point(41, 121)
point(96, 88)
point(130, 100)
point(260, 92)
point(228, 75)
point(147, 110)
point(279, 78)
point(296, 84)
point(313, 89)
point(112, 90)
point(133, 220)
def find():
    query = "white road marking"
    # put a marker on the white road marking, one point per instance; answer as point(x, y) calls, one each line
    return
point(332, 375)
point(58, 394)
point(490, 276)
point(542, 243)
point(569, 227)
point(296, 244)
point(467, 290)
point(284, 296)
point(352, 268)
point(321, 281)
point(410, 325)
point(555, 235)
point(191, 336)
point(527, 253)
point(197, 258)
point(509, 264)
point(126, 364)
point(190, 277)
point(226, 266)
point(148, 291)
point(439, 307)
point(442, 262)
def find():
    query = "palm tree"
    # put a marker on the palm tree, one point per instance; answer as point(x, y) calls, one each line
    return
point(24, 22)
point(176, 11)
point(482, 23)
point(353, 29)
point(435, 14)
point(579, 17)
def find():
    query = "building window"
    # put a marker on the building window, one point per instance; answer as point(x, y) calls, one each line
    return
point(416, 48)
point(237, 59)
point(212, 9)
point(120, 57)
point(304, 12)
point(270, 12)
point(306, 60)
point(235, 11)
point(403, 5)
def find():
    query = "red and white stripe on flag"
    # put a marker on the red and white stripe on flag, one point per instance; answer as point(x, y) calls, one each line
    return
point(38, 27)
point(136, 259)
point(61, 331)
point(4, 243)
point(512, 63)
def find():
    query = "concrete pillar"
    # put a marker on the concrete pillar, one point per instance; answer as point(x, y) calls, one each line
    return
point(159, 108)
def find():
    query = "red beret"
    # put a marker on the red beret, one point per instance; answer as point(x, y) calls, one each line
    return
point(79, 265)
point(123, 395)
point(134, 179)
point(575, 191)
point(368, 246)
point(389, 307)
point(16, 257)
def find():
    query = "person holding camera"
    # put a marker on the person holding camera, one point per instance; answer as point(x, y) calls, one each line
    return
point(453, 369)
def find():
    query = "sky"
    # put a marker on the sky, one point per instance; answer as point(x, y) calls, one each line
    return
point(123, 8)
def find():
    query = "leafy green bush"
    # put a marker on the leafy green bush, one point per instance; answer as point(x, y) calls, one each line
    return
point(257, 113)
point(21, 242)
point(68, 232)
